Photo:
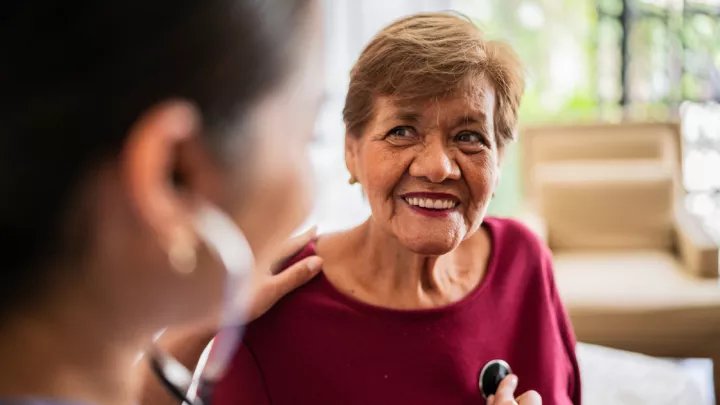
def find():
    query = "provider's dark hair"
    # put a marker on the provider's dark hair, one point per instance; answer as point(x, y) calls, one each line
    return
point(75, 75)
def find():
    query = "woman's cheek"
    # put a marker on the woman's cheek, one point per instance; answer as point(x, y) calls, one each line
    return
point(379, 169)
point(480, 175)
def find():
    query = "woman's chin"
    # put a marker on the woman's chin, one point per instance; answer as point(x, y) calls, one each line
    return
point(430, 246)
point(425, 238)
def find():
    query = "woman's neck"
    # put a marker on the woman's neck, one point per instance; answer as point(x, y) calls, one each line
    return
point(375, 267)
point(68, 352)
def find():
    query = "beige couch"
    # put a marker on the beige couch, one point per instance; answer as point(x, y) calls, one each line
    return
point(636, 270)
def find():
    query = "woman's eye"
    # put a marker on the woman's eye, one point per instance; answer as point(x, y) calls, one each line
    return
point(470, 137)
point(401, 132)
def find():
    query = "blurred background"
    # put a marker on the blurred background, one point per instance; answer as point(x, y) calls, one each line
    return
point(623, 95)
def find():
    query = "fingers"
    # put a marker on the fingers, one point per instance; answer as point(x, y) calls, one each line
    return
point(529, 398)
point(505, 394)
point(296, 275)
point(293, 246)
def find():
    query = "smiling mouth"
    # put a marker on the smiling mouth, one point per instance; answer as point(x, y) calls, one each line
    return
point(431, 203)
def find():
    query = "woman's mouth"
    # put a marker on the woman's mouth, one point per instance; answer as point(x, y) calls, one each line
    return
point(431, 204)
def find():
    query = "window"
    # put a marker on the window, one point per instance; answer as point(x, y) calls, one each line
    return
point(701, 160)
point(669, 53)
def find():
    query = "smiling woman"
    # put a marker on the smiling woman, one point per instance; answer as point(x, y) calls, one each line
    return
point(415, 301)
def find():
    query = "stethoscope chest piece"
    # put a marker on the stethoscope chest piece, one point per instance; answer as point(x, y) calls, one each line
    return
point(491, 375)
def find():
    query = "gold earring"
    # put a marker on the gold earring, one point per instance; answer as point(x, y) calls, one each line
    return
point(181, 253)
point(352, 180)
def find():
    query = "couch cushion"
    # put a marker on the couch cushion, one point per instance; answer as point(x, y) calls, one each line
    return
point(638, 300)
point(626, 141)
point(589, 142)
point(606, 204)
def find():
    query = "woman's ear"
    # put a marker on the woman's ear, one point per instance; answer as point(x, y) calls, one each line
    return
point(151, 165)
point(351, 155)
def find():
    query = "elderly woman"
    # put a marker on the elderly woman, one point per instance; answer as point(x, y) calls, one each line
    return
point(415, 301)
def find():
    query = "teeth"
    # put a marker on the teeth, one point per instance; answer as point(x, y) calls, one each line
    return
point(432, 204)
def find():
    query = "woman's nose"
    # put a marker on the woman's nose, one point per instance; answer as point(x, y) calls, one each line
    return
point(435, 164)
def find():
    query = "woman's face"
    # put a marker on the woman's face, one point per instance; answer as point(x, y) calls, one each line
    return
point(428, 169)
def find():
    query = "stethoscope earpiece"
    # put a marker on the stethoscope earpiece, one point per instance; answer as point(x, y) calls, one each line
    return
point(491, 375)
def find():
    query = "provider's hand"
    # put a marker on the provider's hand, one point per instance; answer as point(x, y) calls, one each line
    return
point(187, 343)
point(270, 283)
point(505, 394)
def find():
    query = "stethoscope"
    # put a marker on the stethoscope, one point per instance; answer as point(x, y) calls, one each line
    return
point(193, 389)
point(180, 382)
point(491, 376)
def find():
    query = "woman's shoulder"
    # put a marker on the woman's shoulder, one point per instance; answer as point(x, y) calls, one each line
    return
point(513, 230)
point(328, 246)
point(306, 251)
point(524, 259)
point(308, 306)
point(514, 242)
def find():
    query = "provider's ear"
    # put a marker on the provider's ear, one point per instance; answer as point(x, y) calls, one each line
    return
point(153, 156)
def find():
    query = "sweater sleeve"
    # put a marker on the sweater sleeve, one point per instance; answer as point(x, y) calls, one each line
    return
point(566, 331)
point(243, 384)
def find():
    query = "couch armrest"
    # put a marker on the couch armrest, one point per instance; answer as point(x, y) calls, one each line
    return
point(698, 249)
point(531, 218)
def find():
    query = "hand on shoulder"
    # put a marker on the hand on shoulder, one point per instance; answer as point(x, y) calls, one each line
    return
point(274, 281)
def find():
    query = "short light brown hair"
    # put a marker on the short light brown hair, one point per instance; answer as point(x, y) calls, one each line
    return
point(431, 55)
